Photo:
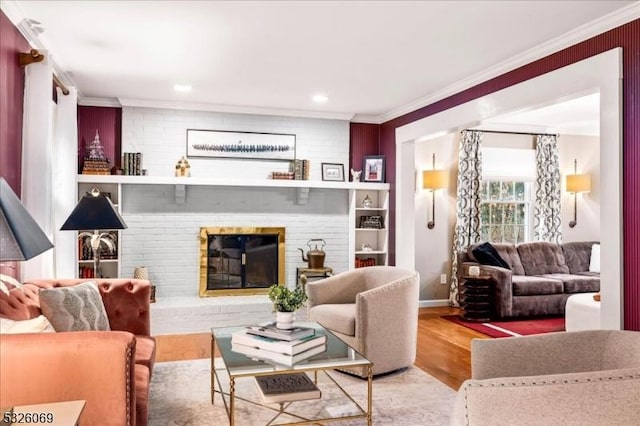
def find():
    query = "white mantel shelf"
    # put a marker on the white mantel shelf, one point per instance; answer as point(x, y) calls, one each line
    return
point(180, 183)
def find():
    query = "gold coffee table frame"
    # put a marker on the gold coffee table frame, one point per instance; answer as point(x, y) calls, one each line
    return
point(338, 355)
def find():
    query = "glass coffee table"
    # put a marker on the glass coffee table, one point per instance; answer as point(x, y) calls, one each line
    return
point(236, 365)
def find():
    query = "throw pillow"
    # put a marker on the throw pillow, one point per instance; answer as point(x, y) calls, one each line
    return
point(76, 308)
point(594, 264)
point(488, 255)
point(38, 324)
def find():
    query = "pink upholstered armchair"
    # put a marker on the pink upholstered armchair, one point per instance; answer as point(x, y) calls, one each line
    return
point(111, 370)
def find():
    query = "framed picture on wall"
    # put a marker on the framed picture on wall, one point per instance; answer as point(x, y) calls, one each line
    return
point(373, 168)
point(333, 172)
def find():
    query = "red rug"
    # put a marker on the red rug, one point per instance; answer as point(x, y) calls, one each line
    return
point(510, 328)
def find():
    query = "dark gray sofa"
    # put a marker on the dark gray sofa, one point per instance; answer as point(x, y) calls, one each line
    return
point(542, 276)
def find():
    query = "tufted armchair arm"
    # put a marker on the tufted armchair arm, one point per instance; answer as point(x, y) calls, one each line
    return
point(95, 366)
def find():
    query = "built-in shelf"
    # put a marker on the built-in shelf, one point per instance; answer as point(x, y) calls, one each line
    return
point(370, 229)
point(101, 261)
point(371, 252)
point(180, 183)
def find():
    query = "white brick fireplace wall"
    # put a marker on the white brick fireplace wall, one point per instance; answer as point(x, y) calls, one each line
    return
point(164, 236)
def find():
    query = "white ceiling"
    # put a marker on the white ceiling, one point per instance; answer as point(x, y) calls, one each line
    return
point(374, 59)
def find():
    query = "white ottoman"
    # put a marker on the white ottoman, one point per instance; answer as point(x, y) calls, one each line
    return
point(582, 313)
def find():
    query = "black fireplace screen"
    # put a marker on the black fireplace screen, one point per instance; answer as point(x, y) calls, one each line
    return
point(242, 261)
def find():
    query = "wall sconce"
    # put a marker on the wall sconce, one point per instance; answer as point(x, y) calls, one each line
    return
point(434, 180)
point(577, 183)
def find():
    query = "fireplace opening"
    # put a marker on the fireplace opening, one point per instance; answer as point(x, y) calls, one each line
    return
point(240, 260)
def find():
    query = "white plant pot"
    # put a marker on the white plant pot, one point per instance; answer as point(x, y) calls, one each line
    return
point(285, 320)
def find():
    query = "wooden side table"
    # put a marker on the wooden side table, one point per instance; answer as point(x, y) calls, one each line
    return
point(304, 274)
point(475, 298)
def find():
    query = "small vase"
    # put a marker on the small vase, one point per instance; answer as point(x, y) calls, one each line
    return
point(285, 320)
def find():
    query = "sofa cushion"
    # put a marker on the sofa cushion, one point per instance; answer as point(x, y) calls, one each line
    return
point(542, 258)
point(340, 317)
point(577, 283)
point(488, 255)
point(589, 274)
point(77, 308)
point(524, 285)
point(507, 252)
point(577, 255)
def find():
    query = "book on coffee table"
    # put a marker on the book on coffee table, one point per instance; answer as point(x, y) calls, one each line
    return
point(286, 387)
point(269, 329)
point(285, 347)
point(274, 357)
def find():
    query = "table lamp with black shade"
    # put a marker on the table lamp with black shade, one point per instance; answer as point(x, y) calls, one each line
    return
point(21, 238)
point(96, 212)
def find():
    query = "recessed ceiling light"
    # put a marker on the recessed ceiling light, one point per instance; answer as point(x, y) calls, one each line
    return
point(319, 98)
point(182, 88)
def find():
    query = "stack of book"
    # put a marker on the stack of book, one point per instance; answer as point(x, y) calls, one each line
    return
point(132, 163)
point(271, 344)
point(300, 169)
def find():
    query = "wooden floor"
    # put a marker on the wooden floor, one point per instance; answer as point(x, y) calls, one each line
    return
point(443, 346)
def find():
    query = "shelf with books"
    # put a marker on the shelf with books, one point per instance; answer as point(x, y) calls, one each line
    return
point(369, 224)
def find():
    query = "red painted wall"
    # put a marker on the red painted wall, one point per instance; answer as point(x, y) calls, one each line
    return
point(627, 37)
point(364, 140)
point(11, 102)
point(108, 122)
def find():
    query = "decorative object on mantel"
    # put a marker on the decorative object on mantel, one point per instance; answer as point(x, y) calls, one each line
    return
point(132, 164)
point(95, 162)
point(367, 203)
point(282, 175)
point(333, 172)
point(373, 168)
point(242, 145)
point(300, 169)
point(183, 168)
point(355, 175)
point(285, 303)
point(142, 273)
point(315, 257)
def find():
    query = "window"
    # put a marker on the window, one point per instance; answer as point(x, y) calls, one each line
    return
point(505, 211)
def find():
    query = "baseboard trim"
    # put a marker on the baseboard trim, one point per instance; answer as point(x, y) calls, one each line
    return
point(433, 303)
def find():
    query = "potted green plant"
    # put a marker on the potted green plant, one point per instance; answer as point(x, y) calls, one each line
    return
point(285, 303)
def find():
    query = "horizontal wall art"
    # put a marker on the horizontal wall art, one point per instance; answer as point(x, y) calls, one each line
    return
point(242, 145)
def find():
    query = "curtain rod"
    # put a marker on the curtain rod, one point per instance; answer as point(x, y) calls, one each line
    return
point(35, 56)
point(512, 133)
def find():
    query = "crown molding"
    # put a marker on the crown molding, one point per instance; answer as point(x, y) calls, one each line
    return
point(367, 119)
point(584, 32)
point(195, 106)
point(98, 102)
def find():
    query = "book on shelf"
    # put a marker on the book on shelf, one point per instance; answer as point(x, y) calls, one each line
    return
point(286, 387)
point(269, 329)
point(274, 357)
point(285, 347)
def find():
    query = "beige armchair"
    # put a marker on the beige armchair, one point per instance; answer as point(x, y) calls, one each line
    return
point(374, 310)
point(572, 378)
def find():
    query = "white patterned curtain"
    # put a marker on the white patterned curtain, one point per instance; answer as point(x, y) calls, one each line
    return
point(547, 219)
point(467, 230)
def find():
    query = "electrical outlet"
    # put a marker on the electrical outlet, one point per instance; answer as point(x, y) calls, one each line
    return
point(443, 278)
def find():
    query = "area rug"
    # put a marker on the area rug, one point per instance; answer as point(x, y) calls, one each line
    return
point(180, 395)
point(511, 328)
